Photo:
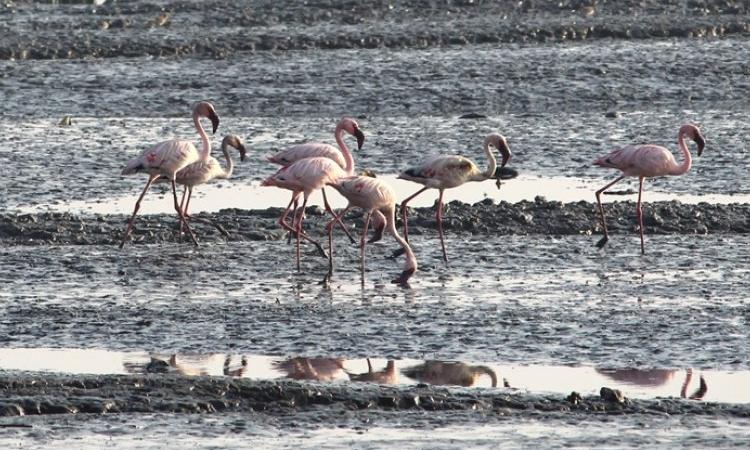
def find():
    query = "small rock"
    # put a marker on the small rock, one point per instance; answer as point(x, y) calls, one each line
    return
point(611, 395)
point(574, 398)
point(612, 114)
point(472, 116)
point(66, 121)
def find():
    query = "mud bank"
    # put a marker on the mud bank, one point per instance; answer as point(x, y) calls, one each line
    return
point(486, 217)
point(219, 28)
point(52, 394)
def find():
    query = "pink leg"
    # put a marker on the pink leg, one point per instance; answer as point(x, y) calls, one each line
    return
point(605, 238)
point(286, 226)
point(135, 210)
point(362, 243)
point(639, 212)
point(184, 204)
point(298, 228)
point(404, 212)
point(329, 229)
point(440, 225)
point(336, 218)
point(294, 220)
point(182, 216)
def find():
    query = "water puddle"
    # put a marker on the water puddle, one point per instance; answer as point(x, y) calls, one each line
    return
point(221, 195)
point(708, 385)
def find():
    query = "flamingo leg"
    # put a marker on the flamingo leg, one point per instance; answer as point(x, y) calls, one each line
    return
point(179, 211)
point(298, 228)
point(335, 217)
point(329, 230)
point(183, 206)
point(294, 219)
point(286, 226)
point(605, 238)
point(362, 244)
point(129, 228)
point(404, 212)
point(439, 216)
point(198, 219)
point(639, 212)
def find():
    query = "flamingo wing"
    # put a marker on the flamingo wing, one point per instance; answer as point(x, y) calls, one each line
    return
point(309, 150)
point(365, 192)
point(639, 160)
point(441, 172)
point(166, 157)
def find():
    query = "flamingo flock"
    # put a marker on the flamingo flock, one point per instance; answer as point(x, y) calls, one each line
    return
point(306, 168)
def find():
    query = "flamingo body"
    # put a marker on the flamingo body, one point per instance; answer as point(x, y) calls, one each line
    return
point(308, 150)
point(644, 161)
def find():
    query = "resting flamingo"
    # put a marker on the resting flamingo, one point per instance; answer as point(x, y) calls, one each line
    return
point(307, 175)
point(646, 161)
point(203, 171)
point(370, 194)
point(169, 157)
point(449, 171)
point(297, 152)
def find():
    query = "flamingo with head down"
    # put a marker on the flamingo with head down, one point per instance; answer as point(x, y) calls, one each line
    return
point(646, 161)
point(169, 157)
point(307, 175)
point(449, 171)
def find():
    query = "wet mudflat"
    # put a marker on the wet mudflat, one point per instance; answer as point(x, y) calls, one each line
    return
point(525, 290)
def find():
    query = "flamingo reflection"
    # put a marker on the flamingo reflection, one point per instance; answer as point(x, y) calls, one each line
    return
point(449, 373)
point(389, 375)
point(657, 377)
point(318, 369)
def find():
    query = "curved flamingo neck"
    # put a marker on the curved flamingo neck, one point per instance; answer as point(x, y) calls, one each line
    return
point(687, 158)
point(390, 218)
point(227, 172)
point(491, 164)
point(348, 159)
point(206, 152)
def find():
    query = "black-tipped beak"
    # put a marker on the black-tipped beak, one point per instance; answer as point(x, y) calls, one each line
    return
point(505, 173)
point(360, 138)
point(701, 143)
point(243, 152)
point(214, 120)
point(505, 152)
point(403, 279)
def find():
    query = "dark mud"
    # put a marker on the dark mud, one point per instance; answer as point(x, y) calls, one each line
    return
point(220, 29)
point(486, 217)
point(49, 394)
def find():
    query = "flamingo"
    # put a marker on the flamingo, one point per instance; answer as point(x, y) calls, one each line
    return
point(307, 175)
point(297, 152)
point(646, 161)
point(449, 171)
point(203, 171)
point(169, 157)
point(370, 194)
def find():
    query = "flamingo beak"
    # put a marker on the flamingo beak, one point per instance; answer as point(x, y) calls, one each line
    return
point(505, 152)
point(360, 138)
point(214, 120)
point(243, 152)
point(701, 143)
point(403, 279)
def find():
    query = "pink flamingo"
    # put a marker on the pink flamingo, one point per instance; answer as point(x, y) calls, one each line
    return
point(449, 171)
point(646, 161)
point(370, 194)
point(203, 171)
point(297, 152)
point(307, 175)
point(169, 157)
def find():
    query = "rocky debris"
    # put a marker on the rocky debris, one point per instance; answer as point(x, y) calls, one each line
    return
point(611, 395)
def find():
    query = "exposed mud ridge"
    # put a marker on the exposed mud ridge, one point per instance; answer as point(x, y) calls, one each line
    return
point(220, 28)
point(537, 217)
point(61, 394)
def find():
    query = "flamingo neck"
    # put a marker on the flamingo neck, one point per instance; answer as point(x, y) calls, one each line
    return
point(687, 161)
point(348, 159)
point(390, 217)
point(227, 172)
point(206, 152)
point(491, 164)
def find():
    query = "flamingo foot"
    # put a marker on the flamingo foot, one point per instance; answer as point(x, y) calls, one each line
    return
point(326, 281)
point(321, 252)
point(403, 279)
point(398, 252)
point(602, 242)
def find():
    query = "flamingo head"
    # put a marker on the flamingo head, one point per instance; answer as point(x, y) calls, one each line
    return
point(352, 127)
point(498, 141)
point(206, 109)
point(694, 133)
point(236, 142)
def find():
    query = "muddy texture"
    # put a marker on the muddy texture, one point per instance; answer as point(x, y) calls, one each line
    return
point(49, 394)
point(221, 29)
point(538, 217)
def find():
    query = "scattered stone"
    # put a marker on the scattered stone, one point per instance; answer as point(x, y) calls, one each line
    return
point(611, 395)
point(66, 121)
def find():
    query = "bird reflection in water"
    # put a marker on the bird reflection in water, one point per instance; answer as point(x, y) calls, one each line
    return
point(449, 373)
point(389, 375)
point(657, 377)
point(319, 369)
point(189, 365)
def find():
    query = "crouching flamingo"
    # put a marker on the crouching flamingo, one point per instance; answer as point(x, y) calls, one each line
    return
point(370, 194)
point(449, 171)
point(646, 161)
point(169, 157)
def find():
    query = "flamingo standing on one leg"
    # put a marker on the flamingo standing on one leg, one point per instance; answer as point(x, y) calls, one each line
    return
point(203, 171)
point(449, 171)
point(169, 157)
point(310, 174)
point(647, 161)
point(371, 194)
point(297, 152)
